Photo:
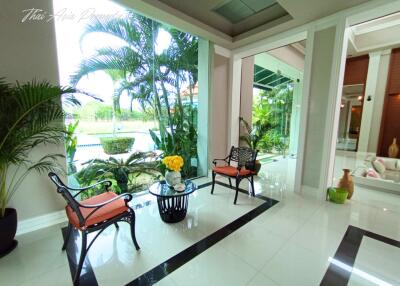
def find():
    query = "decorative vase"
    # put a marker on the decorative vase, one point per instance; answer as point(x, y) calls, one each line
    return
point(393, 149)
point(346, 182)
point(172, 178)
point(8, 228)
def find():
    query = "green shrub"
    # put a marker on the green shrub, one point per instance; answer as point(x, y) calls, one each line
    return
point(117, 145)
point(270, 139)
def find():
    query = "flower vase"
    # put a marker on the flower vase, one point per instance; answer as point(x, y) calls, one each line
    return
point(393, 149)
point(346, 182)
point(172, 178)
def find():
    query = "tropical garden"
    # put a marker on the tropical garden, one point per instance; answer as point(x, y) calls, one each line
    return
point(271, 114)
point(153, 79)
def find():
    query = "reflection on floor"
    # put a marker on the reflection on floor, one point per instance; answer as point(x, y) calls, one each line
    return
point(292, 243)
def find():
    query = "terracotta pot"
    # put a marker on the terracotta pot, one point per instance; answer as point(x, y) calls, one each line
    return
point(346, 182)
point(393, 149)
point(8, 228)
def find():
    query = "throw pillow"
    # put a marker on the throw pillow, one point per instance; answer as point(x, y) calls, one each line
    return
point(390, 164)
point(373, 174)
point(379, 167)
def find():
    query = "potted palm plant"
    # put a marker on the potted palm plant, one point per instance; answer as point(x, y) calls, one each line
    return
point(251, 138)
point(28, 114)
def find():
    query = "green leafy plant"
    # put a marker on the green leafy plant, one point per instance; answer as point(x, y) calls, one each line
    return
point(271, 118)
point(117, 145)
point(30, 115)
point(71, 142)
point(269, 140)
point(124, 172)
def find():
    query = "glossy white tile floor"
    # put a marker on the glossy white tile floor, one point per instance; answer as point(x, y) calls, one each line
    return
point(377, 263)
point(289, 244)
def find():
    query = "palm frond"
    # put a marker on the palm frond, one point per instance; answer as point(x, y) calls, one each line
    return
point(30, 115)
point(122, 59)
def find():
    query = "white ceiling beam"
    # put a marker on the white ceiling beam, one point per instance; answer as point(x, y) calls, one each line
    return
point(377, 24)
point(222, 51)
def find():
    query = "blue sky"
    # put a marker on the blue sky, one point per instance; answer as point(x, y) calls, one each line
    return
point(71, 17)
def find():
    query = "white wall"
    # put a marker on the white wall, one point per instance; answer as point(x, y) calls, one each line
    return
point(321, 70)
point(28, 50)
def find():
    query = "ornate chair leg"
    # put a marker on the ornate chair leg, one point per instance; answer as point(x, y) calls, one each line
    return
point(237, 189)
point(69, 230)
point(252, 186)
point(132, 223)
point(81, 259)
point(230, 182)
point(213, 182)
point(116, 225)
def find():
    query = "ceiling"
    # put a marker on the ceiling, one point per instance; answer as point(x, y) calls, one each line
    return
point(378, 34)
point(272, 14)
point(225, 15)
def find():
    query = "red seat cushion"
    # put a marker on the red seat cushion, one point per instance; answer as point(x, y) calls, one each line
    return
point(231, 171)
point(104, 213)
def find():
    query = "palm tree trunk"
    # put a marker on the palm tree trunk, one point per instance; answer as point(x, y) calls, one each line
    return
point(179, 99)
point(158, 111)
point(165, 96)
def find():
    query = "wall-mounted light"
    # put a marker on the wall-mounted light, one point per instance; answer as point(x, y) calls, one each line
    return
point(369, 98)
point(359, 98)
point(341, 106)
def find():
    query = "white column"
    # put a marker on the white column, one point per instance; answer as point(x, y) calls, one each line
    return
point(369, 97)
point(202, 118)
point(295, 117)
point(234, 111)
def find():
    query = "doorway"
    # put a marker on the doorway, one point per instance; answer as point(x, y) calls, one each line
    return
point(271, 99)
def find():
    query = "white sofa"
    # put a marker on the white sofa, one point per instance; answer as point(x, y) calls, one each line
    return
point(379, 173)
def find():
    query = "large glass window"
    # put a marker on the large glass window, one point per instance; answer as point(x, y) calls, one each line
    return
point(145, 76)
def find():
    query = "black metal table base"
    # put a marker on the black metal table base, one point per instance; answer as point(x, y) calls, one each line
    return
point(173, 209)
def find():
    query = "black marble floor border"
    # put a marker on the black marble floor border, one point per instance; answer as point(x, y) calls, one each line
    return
point(87, 275)
point(347, 253)
point(167, 267)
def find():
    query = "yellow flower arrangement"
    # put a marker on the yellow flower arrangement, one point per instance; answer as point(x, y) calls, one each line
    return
point(173, 163)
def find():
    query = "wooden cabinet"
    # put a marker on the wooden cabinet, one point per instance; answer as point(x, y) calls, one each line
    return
point(394, 73)
point(390, 125)
point(356, 70)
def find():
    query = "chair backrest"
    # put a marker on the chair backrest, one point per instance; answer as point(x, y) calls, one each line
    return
point(66, 194)
point(243, 156)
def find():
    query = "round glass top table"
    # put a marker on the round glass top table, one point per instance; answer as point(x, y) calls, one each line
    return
point(172, 205)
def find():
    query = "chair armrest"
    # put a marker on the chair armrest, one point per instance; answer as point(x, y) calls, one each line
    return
point(215, 161)
point(128, 198)
point(80, 190)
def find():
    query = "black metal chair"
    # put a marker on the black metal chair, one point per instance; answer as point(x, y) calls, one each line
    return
point(94, 214)
point(246, 159)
